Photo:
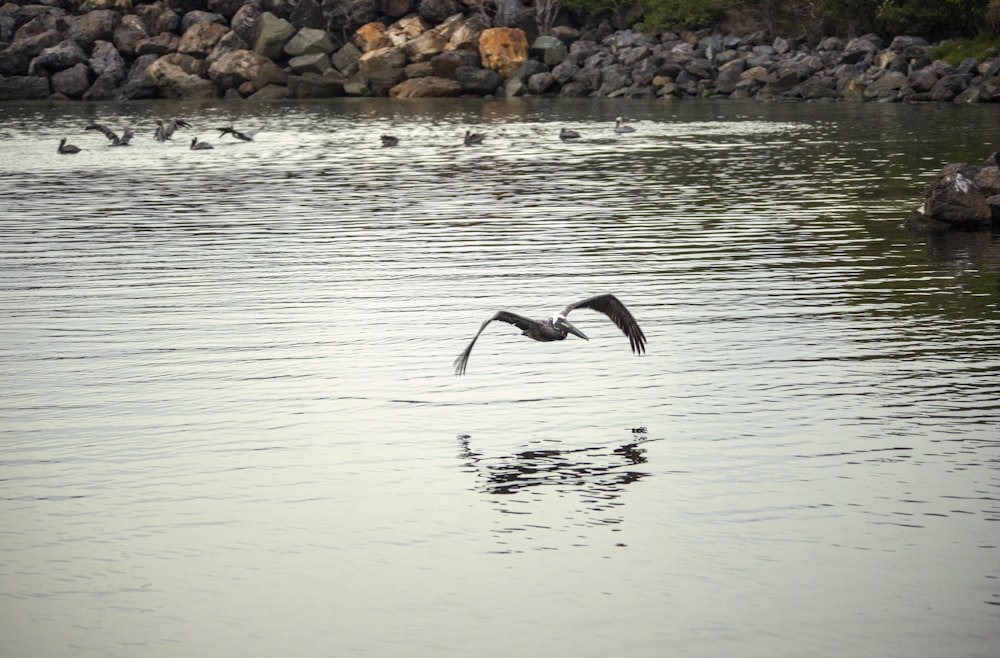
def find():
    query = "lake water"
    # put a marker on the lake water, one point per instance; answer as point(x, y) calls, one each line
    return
point(230, 423)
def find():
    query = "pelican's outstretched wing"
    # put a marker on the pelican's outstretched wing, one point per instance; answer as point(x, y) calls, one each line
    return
point(100, 127)
point(518, 321)
point(610, 306)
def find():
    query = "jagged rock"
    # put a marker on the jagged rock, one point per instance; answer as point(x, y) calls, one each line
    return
point(97, 25)
point(383, 69)
point(192, 18)
point(426, 87)
point(227, 8)
point(245, 21)
point(270, 93)
point(477, 80)
point(179, 76)
point(72, 82)
point(59, 57)
point(729, 76)
point(517, 81)
point(418, 70)
point(308, 14)
point(447, 63)
point(273, 34)
point(102, 89)
point(317, 63)
point(158, 18)
point(236, 67)
point(161, 44)
point(503, 49)
point(311, 85)
point(396, 8)
point(346, 59)
point(201, 38)
point(948, 87)
point(371, 36)
point(463, 33)
point(309, 41)
point(138, 84)
point(128, 34)
point(425, 46)
point(988, 180)
point(404, 30)
point(954, 198)
point(121, 6)
point(105, 60)
point(436, 11)
point(23, 88)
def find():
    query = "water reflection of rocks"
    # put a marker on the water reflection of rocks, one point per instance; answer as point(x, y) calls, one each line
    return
point(580, 487)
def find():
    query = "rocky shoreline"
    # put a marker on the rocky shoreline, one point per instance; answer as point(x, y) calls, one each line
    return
point(260, 50)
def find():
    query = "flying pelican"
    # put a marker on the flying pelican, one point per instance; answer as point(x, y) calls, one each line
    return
point(621, 127)
point(242, 136)
point(165, 129)
point(558, 327)
point(566, 133)
point(199, 146)
point(67, 148)
point(389, 140)
point(474, 139)
point(110, 134)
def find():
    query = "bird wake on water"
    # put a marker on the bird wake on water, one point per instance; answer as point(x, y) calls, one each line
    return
point(558, 327)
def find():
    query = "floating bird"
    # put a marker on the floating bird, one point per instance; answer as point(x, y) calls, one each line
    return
point(622, 128)
point(389, 140)
point(566, 133)
point(110, 134)
point(199, 146)
point(165, 129)
point(242, 136)
point(67, 148)
point(474, 139)
point(558, 327)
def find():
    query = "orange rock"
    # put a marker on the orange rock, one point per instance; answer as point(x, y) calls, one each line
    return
point(371, 36)
point(503, 49)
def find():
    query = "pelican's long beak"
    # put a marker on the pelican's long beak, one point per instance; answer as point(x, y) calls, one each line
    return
point(565, 324)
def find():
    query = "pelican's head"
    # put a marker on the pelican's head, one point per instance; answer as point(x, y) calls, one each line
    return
point(561, 322)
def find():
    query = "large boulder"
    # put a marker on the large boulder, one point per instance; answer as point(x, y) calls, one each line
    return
point(236, 67)
point(954, 198)
point(129, 33)
point(201, 38)
point(138, 84)
point(59, 57)
point(97, 25)
point(371, 36)
point(309, 41)
point(383, 69)
point(273, 34)
point(72, 82)
point(23, 88)
point(161, 44)
point(426, 87)
point(180, 76)
point(105, 60)
point(503, 49)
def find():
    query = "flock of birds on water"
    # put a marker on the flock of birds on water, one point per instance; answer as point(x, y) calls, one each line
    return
point(166, 129)
point(554, 328)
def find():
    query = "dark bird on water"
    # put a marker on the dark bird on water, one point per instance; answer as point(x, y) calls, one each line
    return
point(558, 327)
point(389, 140)
point(242, 136)
point(67, 148)
point(566, 133)
point(474, 139)
point(165, 129)
point(199, 146)
point(620, 127)
point(110, 134)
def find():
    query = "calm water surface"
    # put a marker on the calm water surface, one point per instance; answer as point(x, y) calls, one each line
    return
point(230, 424)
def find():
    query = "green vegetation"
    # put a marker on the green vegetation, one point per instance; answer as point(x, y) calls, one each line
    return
point(954, 51)
point(933, 19)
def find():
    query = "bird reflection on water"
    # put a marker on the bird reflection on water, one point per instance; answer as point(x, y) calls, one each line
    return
point(596, 475)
